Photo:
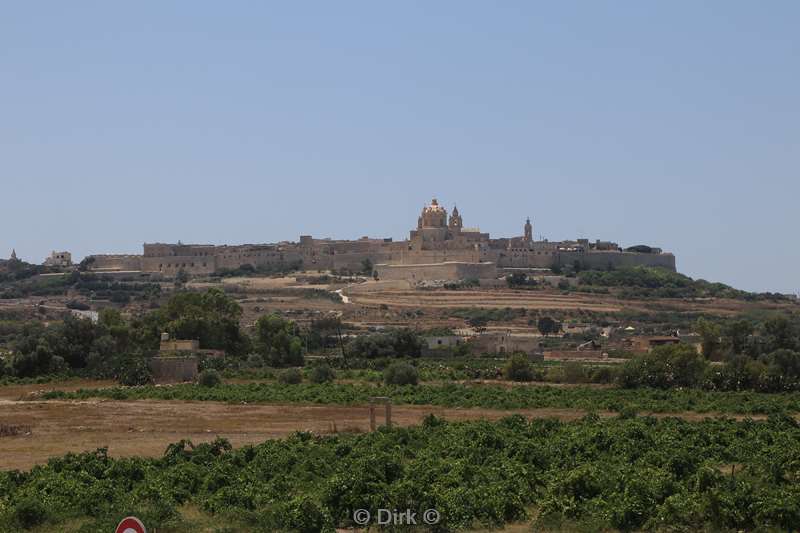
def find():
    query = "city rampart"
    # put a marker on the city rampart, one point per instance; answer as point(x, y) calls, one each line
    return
point(438, 243)
point(449, 271)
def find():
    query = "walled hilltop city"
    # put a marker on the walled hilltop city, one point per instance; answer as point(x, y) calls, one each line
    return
point(440, 247)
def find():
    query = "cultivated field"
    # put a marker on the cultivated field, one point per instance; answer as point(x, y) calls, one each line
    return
point(252, 405)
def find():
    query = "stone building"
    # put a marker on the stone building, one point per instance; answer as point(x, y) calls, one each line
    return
point(440, 244)
point(59, 259)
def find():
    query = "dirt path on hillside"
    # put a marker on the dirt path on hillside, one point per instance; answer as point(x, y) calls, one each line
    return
point(146, 427)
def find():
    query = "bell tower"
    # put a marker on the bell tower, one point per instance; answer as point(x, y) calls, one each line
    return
point(528, 231)
point(455, 220)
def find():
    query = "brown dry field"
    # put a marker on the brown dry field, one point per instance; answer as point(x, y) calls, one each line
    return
point(146, 427)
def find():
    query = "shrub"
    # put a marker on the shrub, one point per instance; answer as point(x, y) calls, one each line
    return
point(322, 374)
point(80, 306)
point(255, 360)
point(135, 371)
point(397, 343)
point(666, 366)
point(518, 369)
point(603, 374)
point(400, 374)
point(573, 372)
point(29, 512)
point(209, 378)
point(290, 376)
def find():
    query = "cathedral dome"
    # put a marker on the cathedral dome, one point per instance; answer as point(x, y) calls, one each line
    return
point(433, 215)
point(434, 207)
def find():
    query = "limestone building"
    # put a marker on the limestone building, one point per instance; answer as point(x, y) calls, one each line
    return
point(440, 245)
point(59, 259)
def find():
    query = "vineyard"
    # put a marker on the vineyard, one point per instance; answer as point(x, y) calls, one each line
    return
point(625, 473)
point(460, 395)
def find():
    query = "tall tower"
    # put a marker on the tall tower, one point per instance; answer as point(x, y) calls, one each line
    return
point(455, 220)
point(13, 255)
point(528, 231)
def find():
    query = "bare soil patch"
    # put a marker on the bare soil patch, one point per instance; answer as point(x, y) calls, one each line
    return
point(146, 427)
point(15, 392)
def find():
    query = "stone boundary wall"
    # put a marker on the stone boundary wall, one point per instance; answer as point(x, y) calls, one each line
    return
point(173, 369)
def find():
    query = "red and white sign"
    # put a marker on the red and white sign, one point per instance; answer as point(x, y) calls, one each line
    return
point(131, 524)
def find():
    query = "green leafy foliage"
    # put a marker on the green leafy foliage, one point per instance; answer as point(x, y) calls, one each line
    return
point(276, 269)
point(135, 371)
point(459, 395)
point(400, 374)
point(654, 282)
point(632, 473)
point(322, 374)
point(278, 342)
point(480, 316)
point(677, 365)
point(209, 378)
point(290, 376)
point(212, 317)
point(395, 343)
point(518, 369)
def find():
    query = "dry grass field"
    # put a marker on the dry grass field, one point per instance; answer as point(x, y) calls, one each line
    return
point(147, 427)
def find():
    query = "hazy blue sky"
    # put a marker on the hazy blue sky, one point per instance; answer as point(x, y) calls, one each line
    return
point(672, 123)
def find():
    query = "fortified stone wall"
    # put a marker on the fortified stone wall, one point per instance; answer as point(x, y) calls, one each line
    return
point(116, 262)
point(451, 271)
point(171, 265)
point(436, 240)
point(522, 258)
point(602, 260)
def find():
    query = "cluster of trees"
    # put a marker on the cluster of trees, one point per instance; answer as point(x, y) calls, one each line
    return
point(118, 346)
point(768, 364)
point(468, 283)
point(520, 280)
point(276, 269)
point(395, 343)
point(643, 282)
point(103, 349)
point(762, 355)
point(479, 317)
point(21, 284)
point(20, 270)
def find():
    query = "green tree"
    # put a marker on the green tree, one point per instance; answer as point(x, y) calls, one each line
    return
point(211, 317)
point(781, 334)
point(547, 326)
point(367, 266)
point(277, 341)
point(710, 337)
point(209, 378)
point(735, 335)
point(400, 374)
point(322, 374)
point(518, 368)
point(181, 277)
point(676, 365)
